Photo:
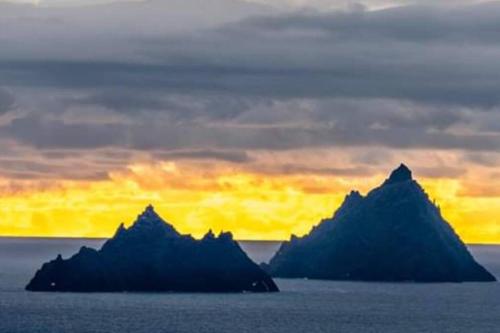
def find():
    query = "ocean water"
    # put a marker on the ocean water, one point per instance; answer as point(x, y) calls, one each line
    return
point(302, 306)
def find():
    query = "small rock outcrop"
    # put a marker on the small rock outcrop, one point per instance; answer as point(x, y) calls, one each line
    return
point(151, 256)
point(394, 233)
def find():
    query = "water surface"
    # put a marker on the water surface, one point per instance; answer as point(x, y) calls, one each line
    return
point(302, 306)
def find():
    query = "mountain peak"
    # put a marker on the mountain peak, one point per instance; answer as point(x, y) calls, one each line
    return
point(150, 220)
point(149, 211)
point(399, 175)
point(394, 233)
point(149, 215)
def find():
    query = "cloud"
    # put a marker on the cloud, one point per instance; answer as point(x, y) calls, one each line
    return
point(28, 169)
point(328, 5)
point(481, 191)
point(227, 156)
point(482, 159)
point(414, 53)
point(295, 169)
point(7, 100)
point(313, 127)
point(41, 133)
point(172, 107)
point(412, 77)
point(442, 171)
point(411, 53)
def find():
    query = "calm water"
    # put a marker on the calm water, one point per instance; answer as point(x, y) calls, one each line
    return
point(302, 306)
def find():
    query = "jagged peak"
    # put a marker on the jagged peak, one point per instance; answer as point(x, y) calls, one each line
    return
point(149, 219)
point(227, 235)
point(222, 237)
point(149, 212)
point(149, 216)
point(350, 200)
point(120, 230)
point(353, 195)
point(209, 235)
point(399, 175)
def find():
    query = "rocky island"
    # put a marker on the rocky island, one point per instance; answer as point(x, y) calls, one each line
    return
point(151, 256)
point(394, 233)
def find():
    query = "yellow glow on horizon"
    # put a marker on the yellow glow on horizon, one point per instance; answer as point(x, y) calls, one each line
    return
point(250, 205)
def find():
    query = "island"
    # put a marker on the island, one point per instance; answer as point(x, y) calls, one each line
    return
point(394, 233)
point(151, 256)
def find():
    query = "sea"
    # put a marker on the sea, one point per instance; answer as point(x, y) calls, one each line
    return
point(301, 306)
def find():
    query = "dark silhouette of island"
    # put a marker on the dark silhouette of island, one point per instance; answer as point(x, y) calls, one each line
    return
point(394, 233)
point(151, 256)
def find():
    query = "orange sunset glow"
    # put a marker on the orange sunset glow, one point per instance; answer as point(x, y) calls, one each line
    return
point(259, 204)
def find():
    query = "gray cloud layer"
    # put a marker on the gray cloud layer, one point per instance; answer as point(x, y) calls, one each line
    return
point(414, 77)
point(425, 54)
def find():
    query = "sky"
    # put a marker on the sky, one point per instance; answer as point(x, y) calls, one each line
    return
point(256, 117)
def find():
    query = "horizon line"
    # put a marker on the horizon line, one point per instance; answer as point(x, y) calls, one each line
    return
point(106, 238)
point(238, 240)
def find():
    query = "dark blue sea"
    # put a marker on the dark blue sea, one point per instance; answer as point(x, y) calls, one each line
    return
point(302, 306)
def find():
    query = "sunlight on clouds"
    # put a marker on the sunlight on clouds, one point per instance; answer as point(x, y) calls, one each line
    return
point(250, 205)
point(252, 208)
